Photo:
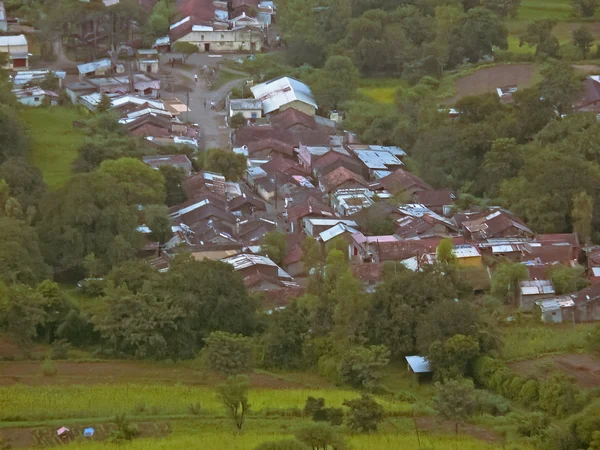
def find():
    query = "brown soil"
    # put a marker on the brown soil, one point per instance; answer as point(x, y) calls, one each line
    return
point(47, 437)
point(436, 425)
point(584, 368)
point(488, 79)
point(106, 372)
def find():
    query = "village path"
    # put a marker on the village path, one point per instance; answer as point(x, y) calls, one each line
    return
point(212, 123)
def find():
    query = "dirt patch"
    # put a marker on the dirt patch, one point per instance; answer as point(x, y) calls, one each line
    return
point(107, 372)
point(436, 425)
point(587, 69)
point(584, 368)
point(489, 78)
point(47, 437)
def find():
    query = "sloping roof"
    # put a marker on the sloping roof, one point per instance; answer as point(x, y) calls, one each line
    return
point(243, 104)
point(418, 364)
point(281, 91)
point(335, 231)
point(94, 65)
point(591, 91)
point(493, 224)
point(270, 143)
point(205, 181)
point(291, 117)
point(377, 160)
point(435, 198)
point(13, 41)
point(293, 256)
point(402, 181)
point(282, 164)
point(339, 176)
point(240, 3)
point(310, 207)
point(333, 157)
point(167, 160)
point(198, 9)
point(244, 199)
point(367, 272)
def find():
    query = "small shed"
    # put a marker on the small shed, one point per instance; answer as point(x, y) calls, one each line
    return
point(419, 366)
point(63, 432)
point(88, 432)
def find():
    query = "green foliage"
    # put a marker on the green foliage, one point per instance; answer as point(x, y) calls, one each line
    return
point(567, 280)
point(445, 252)
point(315, 408)
point(454, 356)
point(133, 275)
point(234, 395)
point(365, 413)
point(585, 8)
point(125, 431)
point(173, 184)
point(284, 339)
point(504, 8)
point(237, 120)
point(60, 349)
point(227, 353)
point(140, 183)
point(48, 368)
point(24, 181)
point(583, 40)
point(456, 400)
point(311, 253)
point(104, 104)
point(321, 436)
point(582, 215)
point(560, 86)
point(187, 49)
point(275, 246)
point(229, 164)
point(359, 366)
point(539, 35)
point(559, 396)
point(336, 82)
point(14, 140)
point(593, 340)
point(506, 279)
point(156, 217)
point(286, 444)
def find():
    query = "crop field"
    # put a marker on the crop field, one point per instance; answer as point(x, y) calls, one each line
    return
point(584, 368)
point(381, 90)
point(20, 403)
point(55, 142)
point(526, 342)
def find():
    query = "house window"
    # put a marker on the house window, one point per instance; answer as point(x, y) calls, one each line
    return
point(37, 99)
point(222, 36)
point(201, 37)
point(554, 313)
point(254, 115)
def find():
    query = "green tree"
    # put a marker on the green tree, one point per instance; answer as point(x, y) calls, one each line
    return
point(582, 214)
point(140, 184)
point(445, 252)
point(446, 20)
point(336, 82)
point(55, 306)
point(480, 31)
point(585, 8)
point(275, 246)
point(104, 104)
point(24, 180)
point(227, 353)
point(157, 219)
point(453, 357)
point(311, 253)
point(360, 366)
point(502, 162)
point(455, 400)
point(92, 265)
point(539, 35)
point(234, 396)
point(14, 140)
point(237, 121)
point(365, 413)
point(350, 311)
point(283, 342)
point(583, 40)
point(141, 325)
point(285, 444)
point(319, 436)
point(593, 340)
point(133, 275)
point(21, 260)
point(21, 314)
point(231, 165)
point(186, 49)
point(506, 279)
point(567, 280)
point(174, 177)
point(504, 8)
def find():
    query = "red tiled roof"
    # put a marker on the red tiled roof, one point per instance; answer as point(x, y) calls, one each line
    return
point(282, 164)
point(293, 256)
point(331, 157)
point(367, 272)
point(402, 181)
point(339, 176)
point(248, 134)
point(291, 117)
point(244, 199)
point(571, 238)
point(311, 206)
point(198, 9)
point(548, 254)
point(434, 198)
point(281, 297)
point(270, 143)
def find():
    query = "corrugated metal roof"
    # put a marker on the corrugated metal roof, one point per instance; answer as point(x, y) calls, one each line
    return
point(336, 230)
point(13, 41)
point(377, 160)
point(466, 251)
point(324, 222)
point(92, 66)
point(418, 364)
point(554, 304)
point(244, 104)
point(281, 91)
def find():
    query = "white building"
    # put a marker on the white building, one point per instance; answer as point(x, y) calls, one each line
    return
point(95, 68)
point(247, 107)
point(35, 96)
point(147, 60)
point(283, 93)
point(18, 51)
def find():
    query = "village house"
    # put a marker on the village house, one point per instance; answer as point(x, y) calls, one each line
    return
point(311, 208)
point(308, 155)
point(496, 224)
point(341, 178)
point(35, 96)
point(418, 221)
point(98, 68)
point(179, 161)
point(18, 51)
point(532, 291)
point(439, 201)
point(590, 97)
point(331, 160)
point(32, 77)
point(582, 306)
point(249, 108)
point(260, 273)
point(315, 226)
point(338, 231)
point(401, 182)
point(347, 202)
point(148, 61)
point(379, 161)
point(240, 7)
point(283, 93)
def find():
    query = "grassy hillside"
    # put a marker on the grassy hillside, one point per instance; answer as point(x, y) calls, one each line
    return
point(55, 142)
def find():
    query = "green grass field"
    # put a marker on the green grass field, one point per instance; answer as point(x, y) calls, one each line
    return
point(19, 403)
point(526, 342)
point(55, 142)
point(382, 90)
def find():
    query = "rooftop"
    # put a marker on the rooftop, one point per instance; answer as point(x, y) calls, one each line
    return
point(335, 231)
point(243, 104)
point(281, 91)
point(377, 160)
point(14, 41)
point(536, 287)
point(94, 65)
point(418, 364)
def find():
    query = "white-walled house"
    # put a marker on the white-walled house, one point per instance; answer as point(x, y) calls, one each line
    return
point(208, 38)
point(250, 108)
point(34, 96)
point(18, 51)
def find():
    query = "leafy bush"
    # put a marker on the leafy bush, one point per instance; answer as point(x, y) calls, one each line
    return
point(320, 435)
point(559, 396)
point(48, 368)
point(359, 365)
point(194, 409)
point(493, 404)
point(365, 413)
point(60, 349)
point(226, 353)
point(533, 424)
point(529, 393)
point(315, 408)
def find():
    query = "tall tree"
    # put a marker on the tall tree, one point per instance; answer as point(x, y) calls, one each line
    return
point(585, 8)
point(480, 31)
point(582, 214)
point(157, 219)
point(560, 86)
point(227, 353)
point(456, 400)
point(583, 40)
point(140, 184)
point(506, 279)
point(229, 164)
point(539, 35)
point(173, 184)
point(14, 141)
point(504, 8)
point(275, 246)
point(445, 252)
point(234, 396)
point(336, 82)
point(21, 314)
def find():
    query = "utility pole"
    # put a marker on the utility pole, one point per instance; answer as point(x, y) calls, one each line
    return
point(187, 107)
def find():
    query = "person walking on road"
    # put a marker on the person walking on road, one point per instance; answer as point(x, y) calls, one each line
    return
point(196, 77)
point(204, 103)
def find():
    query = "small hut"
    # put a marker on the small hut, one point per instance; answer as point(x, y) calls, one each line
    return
point(419, 366)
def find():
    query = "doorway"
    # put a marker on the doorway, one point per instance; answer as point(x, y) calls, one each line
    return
point(207, 47)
